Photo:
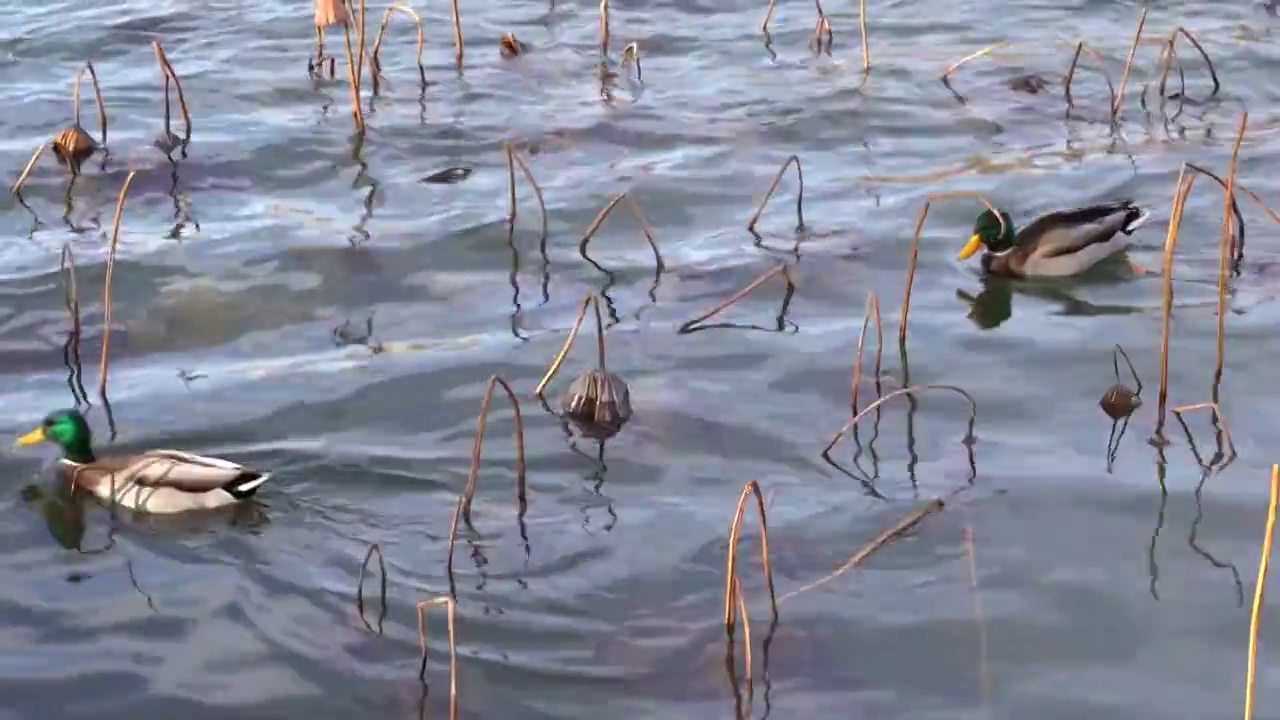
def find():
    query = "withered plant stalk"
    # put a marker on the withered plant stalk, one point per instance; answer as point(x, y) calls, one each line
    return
point(746, 643)
point(481, 423)
point(873, 310)
point(1128, 66)
point(26, 171)
point(1222, 422)
point(514, 159)
point(594, 301)
point(866, 45)
point(915, 248)
point(97, 95)
point(1225, 250)
point(731, 569)
point(364, 566)
point(67, 266)
point(170, 74)
point(911, 391)
point(457, 35)
point(899, 529)
point(946, 74)
point(604, 28)
point(1102, 68)
point(750, 288)
point(773, 187)
point(375, 59)
point(1173, 42)
point(1255, 616)
point(106, 292)
point(1182, 189)
point(768, 15)
point(450, 607)
point(354, 72)
point(634, 206)
point(453, 539)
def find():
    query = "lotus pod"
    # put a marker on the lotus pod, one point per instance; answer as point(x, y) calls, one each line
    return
point(509, 46)
point(74, 145)
point(598, 403)
point(1119, 402)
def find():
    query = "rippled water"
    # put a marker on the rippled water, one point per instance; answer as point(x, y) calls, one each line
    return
point(246, 265)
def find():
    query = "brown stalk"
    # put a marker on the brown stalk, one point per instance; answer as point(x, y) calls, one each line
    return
point(26, 171)
point(361, 56)
point(912, 391)
point(873, 310)
point(481, 424)
point(764, 26)
point(773, 187)
point(1128, 66)
point(915, 247)
point(1173, 42)
point(375, 61)
point(67, 265)
point(1225, 250)
point(1259, 591)
point(902, 527)
point(1168, 56)
point(1183, 188)
point(353, 75)
point(604, 28)
point(450, 607)
point(97, 94)
point(639, 215)
point(866, 46)
point(731, 569)
point(457, 35)
point(364, 566)
point(972, 56)
point(719, 308)
point(1222, 421)
point(167, 68)
point(453, 541)
point(746, 642)
point(568, 343)
point(106, 293)
point(1261, 203)
point(514, 159)
point(1102, 68)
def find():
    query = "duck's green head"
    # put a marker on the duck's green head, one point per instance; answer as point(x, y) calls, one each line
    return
point(68, 430)
point(988, 231)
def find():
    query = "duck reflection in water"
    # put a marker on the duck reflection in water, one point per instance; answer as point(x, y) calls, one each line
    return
point(993, 305)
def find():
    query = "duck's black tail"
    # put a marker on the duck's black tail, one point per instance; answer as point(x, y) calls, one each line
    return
point(1134, 217)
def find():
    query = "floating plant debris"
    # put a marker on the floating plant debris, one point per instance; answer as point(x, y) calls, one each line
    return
point(448, 176)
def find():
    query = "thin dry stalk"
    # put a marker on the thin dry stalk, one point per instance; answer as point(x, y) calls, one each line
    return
point(97, 94)
point(634, 206)
point(1275, 217)
point(773, 187)
point(912, 391)
point(514, 159)
point(376, 62)
point(746, 641)
point(106, 293)
point(1128, 66)
point(481, 423)
point(764, 26)
point(457, 35)
point(1168, 56)
point(1225, 250)
point(67, 266)
point(731, 569)
point(946, 74)
point(170, 73)
point(604, 28)
point(353, 74)
point(1102, 68)
point(1173, 42)
point(1183, 188)
point(720, 307)
point(873, 310)
point(450, 607)
point(453, 537)
point(361, 56)
point(984, 674)
point(1255, 616)
point(901, 528)
point(382, 569)
point(568, 343)
point(1222, 422)
point(26, 171)
point(866, 46)
point(915, 247)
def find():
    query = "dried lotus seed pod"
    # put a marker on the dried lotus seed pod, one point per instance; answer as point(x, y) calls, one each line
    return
point(73, 145)
point(598, 403)
point(511, 47)
point(1119, 402)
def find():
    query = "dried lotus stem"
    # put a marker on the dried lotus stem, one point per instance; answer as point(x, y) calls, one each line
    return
point(1259, 591)
point(1260, 202)
point(514, 159)
point(1102, 68)
point(382, 569)
point(376, 62)
point(594, 301)
point(106, 293)
point(910, 391)
point(1225, 250)
point(773, 187)
point(1222, 422)
point(26, 171)
point(1181, 190)
point(1173, 41)
point(481, 423)
point(631, 56)
point(170, 74)
point(354, 74)
point(719, 308)
point(97, 94)
point(509, 46)
point(1128, 66)
point(639, 215)
point(450, 607)
point(764, 26)
point(453, 541)
point(866, 46)
point(873, 310)
point(731, 569)
point(946, 74)
point(604, 28)
point(915, 248)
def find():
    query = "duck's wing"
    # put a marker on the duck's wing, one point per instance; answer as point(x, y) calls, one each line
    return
point(184, 471)
point(1070, 231)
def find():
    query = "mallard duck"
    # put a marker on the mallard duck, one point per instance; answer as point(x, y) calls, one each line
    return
point(157, 481)
point(1061, 243)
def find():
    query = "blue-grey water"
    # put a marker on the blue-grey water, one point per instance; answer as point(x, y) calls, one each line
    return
point(252, 265)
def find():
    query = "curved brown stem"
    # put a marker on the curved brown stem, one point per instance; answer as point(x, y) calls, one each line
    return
point(513, 160)
point(1225, 252)
point(477, 448)
point(382, 569)
point(873, 310)
point(593, 300)
point(450, 607)
point(106, 293)
point(731, 569)
point(720, 307)
point(946, 74)
point(909, 391)
point(1173, 40)
point(1182, 189)
point(26, 171)
point(177, 84)
point(97, 94)
point(353, 75)
point(375, 60)
point(773, 187)
point(1102, 68)
point(1222, 422)
point(1128, 65)
point(639, 215)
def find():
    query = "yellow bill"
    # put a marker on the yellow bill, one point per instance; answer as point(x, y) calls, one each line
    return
point(971, 247)
point(31, 438)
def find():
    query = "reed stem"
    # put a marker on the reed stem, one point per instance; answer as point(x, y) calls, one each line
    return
point(103, 366)
point(1182, 189)
point(731, 569)
point(450, 607)
point(1255, 617)
point(592, 300)
point(1173, 41)
point(873, 310)
point(946, 74)
point(773, 187)
point(481, 423)
point(26, 171)
point(908, 391)
point(751, 287)
point(1225, 250)
point(1128, 65)
point(167, 68)
point(639, 215)
point(375, 60)
point(513, 160)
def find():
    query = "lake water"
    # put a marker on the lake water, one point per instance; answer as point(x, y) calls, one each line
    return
point(1096, 584)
